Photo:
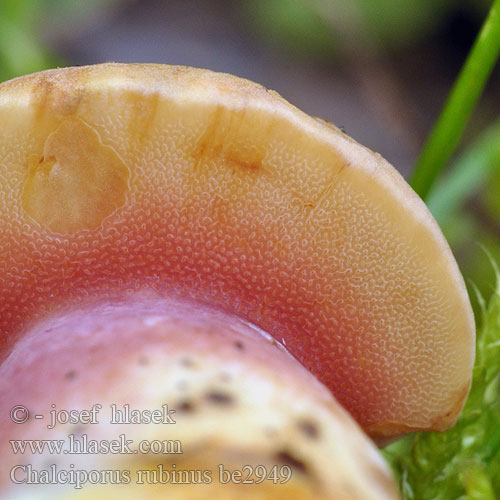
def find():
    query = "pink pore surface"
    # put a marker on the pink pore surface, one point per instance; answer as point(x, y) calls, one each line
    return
point(176, 257)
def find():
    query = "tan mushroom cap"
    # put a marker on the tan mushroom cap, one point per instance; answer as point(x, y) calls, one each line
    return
point(122, 177)
point(238, 409)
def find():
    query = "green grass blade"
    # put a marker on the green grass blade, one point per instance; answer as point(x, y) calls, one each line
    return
point(469, 173)
point(447, 132)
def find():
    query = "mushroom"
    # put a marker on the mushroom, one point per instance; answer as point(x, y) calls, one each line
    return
point(121, 180)
point(243, 419)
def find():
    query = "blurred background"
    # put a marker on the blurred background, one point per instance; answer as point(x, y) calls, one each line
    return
point(379, 69)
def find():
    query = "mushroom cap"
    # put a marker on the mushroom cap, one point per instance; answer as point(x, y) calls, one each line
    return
point(202, 185)
point(234, 402)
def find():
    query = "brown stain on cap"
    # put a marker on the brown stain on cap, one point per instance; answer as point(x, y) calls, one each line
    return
point(224, 140)
point(77, 182)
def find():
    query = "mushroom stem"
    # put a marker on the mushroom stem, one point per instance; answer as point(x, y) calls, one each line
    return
point(190, 389)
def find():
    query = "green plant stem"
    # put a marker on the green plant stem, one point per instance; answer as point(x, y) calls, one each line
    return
point(470, 171)
point(448, 130)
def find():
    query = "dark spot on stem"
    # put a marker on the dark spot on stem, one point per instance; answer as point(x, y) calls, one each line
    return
point(185, 407)
point(78, 430)
point(238, 344)
point(220, 398)
point(309, 428)
point(71, 375)
point(287, 458)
